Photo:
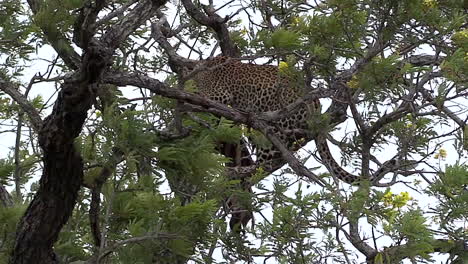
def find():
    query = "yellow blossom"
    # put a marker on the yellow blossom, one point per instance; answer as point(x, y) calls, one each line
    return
point(244, 31)
point(401, 199)
point(442, 154)
point(396, 200)
point(464, 33)
point(460, 37)
point(283, 67)
point(353, 83)
point(387, 198)
point(296, 20)
point(430, 3)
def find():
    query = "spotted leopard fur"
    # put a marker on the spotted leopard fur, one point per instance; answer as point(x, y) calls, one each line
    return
point(261, 88)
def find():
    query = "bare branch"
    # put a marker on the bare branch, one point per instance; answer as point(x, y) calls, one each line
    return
point(32, 113)
point(118, 244)
point(115, 13)
point(176, 62)
point(217, 23)
point(58, 40)
point(287, 155)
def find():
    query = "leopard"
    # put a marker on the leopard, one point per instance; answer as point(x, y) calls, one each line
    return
point(262, 88)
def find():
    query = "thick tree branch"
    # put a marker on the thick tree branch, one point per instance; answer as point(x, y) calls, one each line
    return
point(357, 241)
point(85, 23)
point(372, 51)
point(160, 88)
point(142, 12)
point(424, 60)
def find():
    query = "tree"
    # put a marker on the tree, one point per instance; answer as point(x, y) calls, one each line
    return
point(136, 167)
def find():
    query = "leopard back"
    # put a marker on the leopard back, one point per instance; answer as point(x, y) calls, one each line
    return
point(251, 87)
point(260, 88)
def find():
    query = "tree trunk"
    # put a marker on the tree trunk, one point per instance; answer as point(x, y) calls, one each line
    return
point(50, 208)
point(61, 179)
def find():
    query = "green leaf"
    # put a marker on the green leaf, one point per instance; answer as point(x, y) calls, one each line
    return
point(6, 170)
point(285, 39)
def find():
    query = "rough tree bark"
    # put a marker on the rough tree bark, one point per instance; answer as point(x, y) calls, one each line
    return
point(62, 175)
